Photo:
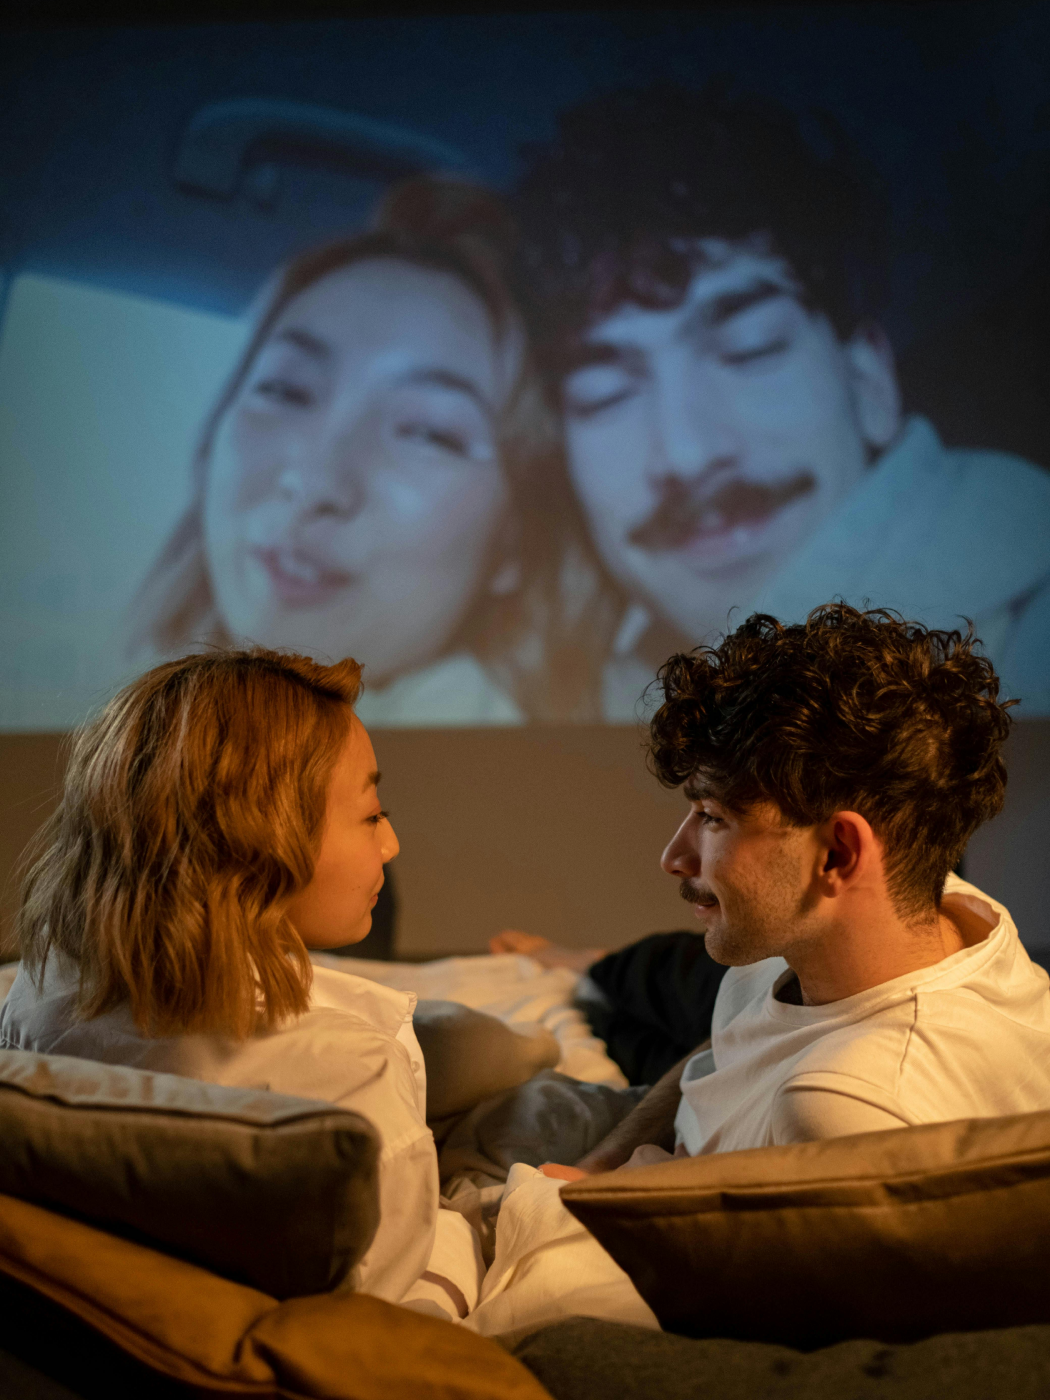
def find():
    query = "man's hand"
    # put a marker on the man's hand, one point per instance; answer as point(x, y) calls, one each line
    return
point(651, 1121)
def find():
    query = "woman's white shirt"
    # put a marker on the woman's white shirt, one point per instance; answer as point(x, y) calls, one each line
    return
point(355, 1047)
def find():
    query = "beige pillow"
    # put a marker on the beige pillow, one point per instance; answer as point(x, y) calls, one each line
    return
point(892, 1235)
point(278, 1192)
point(471, 1056)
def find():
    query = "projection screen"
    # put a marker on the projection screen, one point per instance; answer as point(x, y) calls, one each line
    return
point(511, 354)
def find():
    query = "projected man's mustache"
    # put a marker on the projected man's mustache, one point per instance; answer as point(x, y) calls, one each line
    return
point(690, 508)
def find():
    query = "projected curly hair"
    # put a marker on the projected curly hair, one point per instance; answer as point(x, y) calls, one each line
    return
point(849, 711)
point(191, 815)
point(613, 208)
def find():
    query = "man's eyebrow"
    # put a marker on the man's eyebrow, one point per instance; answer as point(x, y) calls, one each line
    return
point(716, 310)
point(448, 379)
point(309, 343)
point(603, 352)
point(372, 780)
point(699, 790)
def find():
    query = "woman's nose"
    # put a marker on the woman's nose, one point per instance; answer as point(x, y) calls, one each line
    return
point(317, 493)
point(390, 846)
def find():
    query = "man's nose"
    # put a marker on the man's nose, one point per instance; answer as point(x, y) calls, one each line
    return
point(681, 857)
point(692, 430)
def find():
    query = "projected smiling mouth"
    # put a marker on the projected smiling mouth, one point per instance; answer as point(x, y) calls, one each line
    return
point(691, 511)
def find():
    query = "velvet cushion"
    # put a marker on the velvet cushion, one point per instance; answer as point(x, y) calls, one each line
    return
point(471, 1056)
point(275, 1191)
point(222, 1338)
point(586, 1359)
point(893, 1235)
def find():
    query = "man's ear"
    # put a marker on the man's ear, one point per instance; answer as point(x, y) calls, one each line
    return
point(873, 385)
point(850, 851)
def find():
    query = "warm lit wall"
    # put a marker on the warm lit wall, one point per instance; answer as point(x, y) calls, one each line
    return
point(557, 830)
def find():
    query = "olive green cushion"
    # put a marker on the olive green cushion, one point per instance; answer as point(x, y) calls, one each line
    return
point(584, 1359)
point(277, 1192)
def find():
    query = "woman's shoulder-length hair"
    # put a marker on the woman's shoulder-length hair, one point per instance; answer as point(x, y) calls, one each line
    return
point(191, 814)
point(543, 642)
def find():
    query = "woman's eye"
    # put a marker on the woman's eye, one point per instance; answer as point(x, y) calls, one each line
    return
point(284, 391)
point(378, 817)
point(427, 435)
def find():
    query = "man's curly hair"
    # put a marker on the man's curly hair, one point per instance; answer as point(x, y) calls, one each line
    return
point(612, 209)
point(848, 711)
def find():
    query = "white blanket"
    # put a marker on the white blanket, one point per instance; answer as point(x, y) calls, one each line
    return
point(548, 1267)
point(508, 985)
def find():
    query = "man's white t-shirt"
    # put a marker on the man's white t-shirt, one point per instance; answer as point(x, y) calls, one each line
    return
point(968, 1037)
point(355, 1047)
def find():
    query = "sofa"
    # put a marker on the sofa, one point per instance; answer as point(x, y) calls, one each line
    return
point(912, 1263)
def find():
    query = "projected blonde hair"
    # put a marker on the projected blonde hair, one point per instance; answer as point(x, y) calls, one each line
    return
point(191, 815)
point(544, 642)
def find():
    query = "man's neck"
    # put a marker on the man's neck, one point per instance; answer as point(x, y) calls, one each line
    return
point(865, 952)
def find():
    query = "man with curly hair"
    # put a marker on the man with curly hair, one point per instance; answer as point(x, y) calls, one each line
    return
point(835, 771)
point(707, 277)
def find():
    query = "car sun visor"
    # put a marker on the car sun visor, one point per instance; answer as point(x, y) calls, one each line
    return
point(238, 146)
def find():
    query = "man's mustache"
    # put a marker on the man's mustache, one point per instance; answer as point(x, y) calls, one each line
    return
point(687, 508)
point(692, 895)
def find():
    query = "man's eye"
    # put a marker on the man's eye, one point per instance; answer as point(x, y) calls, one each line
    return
point(284, 391)
point(591, 391)
point(754, 353)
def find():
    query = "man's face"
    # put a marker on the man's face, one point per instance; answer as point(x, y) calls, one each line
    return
point(748, 875)
point(707, 442)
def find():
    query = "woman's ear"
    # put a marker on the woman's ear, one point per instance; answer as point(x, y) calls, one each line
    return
point(873, 385)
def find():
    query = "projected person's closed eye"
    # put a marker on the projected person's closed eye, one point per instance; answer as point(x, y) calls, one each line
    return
point(353, 488)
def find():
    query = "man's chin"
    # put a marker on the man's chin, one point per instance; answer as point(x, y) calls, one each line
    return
point(723, 948)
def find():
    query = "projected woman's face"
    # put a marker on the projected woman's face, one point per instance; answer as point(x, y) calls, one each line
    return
point(355, 496)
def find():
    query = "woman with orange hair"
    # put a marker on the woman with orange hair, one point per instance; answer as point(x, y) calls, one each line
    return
point(220, 818)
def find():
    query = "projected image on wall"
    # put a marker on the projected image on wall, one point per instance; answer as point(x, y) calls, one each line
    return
point(512, 421)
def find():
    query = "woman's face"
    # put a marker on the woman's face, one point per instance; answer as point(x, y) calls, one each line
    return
point(336, 906)
point(355, 495)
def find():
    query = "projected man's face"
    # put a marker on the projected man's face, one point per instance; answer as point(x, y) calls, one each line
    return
point(708, 441)
point(355, 495)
